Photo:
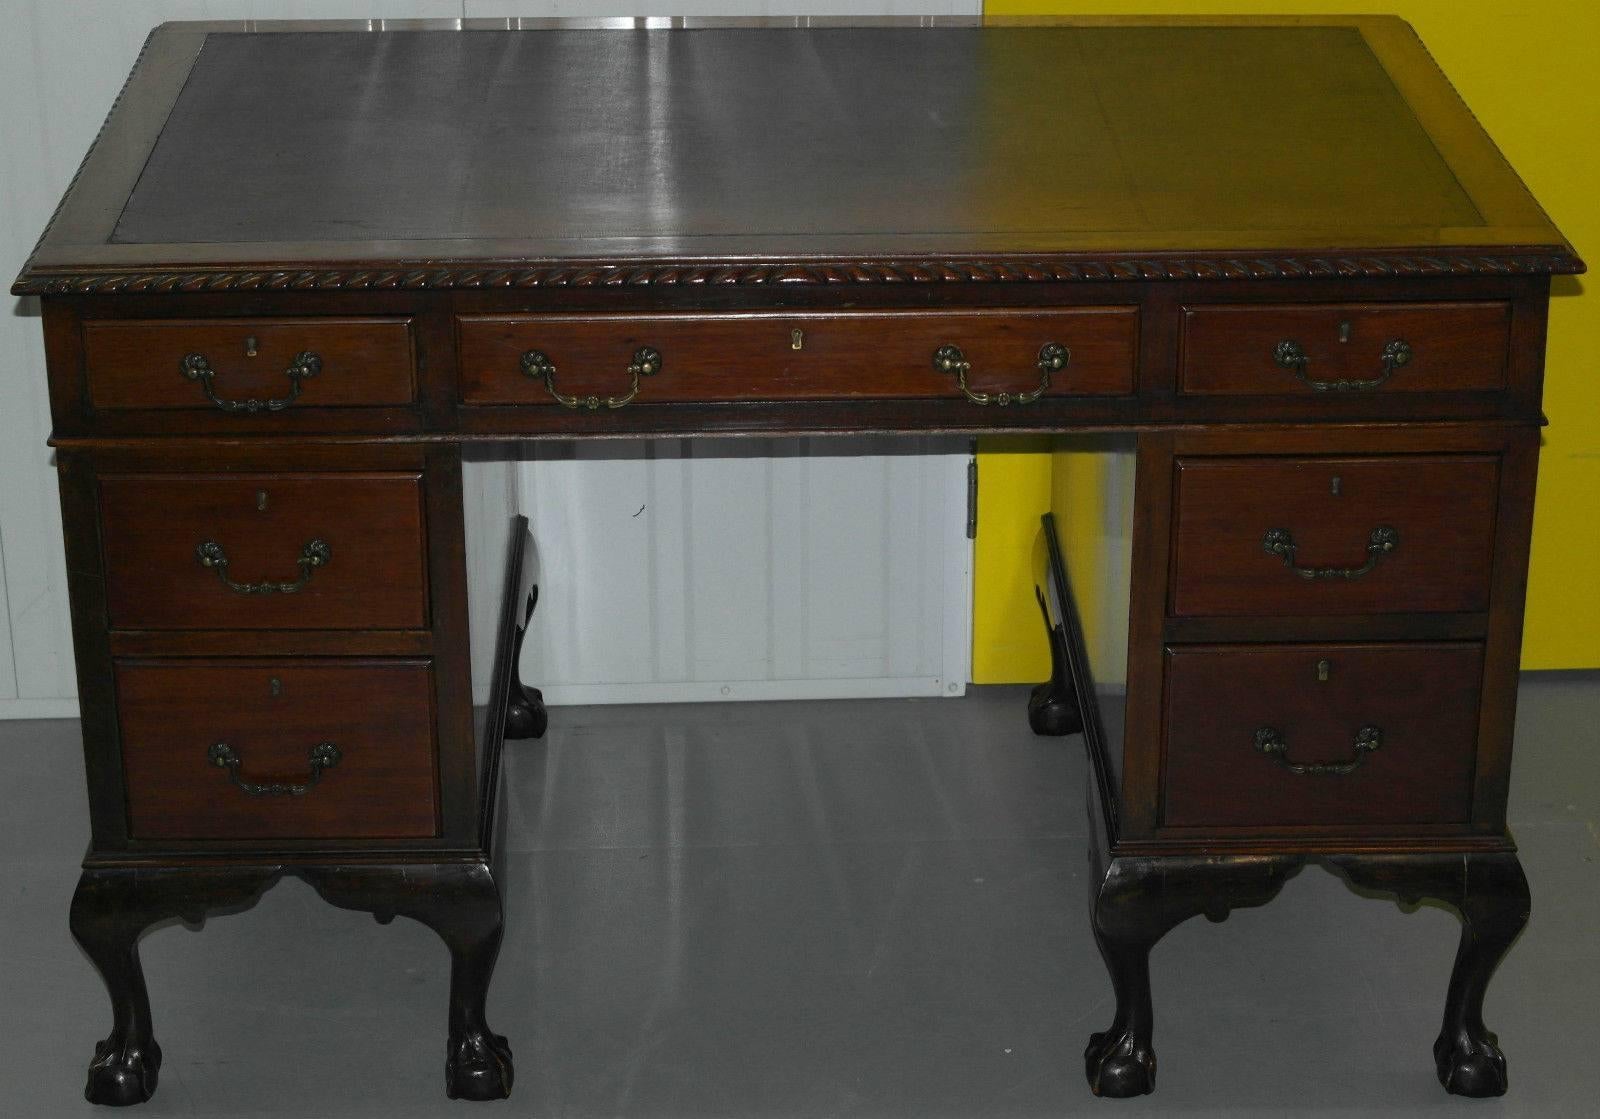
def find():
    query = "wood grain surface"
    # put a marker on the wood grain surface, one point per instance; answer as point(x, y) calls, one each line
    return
point(379, 715)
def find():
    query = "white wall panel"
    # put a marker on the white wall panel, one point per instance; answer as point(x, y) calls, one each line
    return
point(748, 569)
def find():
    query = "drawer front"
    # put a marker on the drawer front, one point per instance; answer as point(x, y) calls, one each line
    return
point(766, 356)
point(1320, 736)
point(349, 745)
point(1345, 349)
point(1333, 536)
point(249, 366)
point(264, 551)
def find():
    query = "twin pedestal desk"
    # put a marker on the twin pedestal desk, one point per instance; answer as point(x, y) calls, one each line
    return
point(305, 264)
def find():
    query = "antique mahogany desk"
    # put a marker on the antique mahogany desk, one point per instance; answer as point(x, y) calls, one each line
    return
point(303, 265)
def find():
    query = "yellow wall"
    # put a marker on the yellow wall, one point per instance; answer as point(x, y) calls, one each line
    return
point(1529, 71)
point(1008, 641)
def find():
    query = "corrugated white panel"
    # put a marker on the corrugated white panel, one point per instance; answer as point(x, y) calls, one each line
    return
point(748, 569)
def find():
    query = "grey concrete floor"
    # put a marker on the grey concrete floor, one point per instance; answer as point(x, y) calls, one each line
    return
point(865, 909)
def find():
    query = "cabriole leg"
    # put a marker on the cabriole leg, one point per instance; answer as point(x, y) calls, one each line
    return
point(1139, 902)
point(111, 909)
point(461, 903)
point(1490, 893)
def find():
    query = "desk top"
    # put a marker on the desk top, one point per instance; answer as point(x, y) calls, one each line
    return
point(312, 155)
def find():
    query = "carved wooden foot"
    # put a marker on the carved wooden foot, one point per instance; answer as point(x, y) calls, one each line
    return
point(525, 713)
point(1490, 893)
point(461, 903)
point(1139, 902)
point(110, 911)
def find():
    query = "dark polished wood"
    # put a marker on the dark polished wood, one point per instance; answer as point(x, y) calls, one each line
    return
point(1441, 511)
point(1281, 254)
point(271, 715)
point(798, 356)
point(1449, 347)
point(1140, 899)
point(790, 159)
point(1135, 899)
point(138, 364)
point(1259, 736)
point(113, 907)
point(374, 576)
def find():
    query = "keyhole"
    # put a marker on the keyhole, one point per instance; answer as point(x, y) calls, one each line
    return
point(250, 346)
point(275, 686)
point(797, 339)
point(1323, 668)
point(261, 500)
point(1335, 485)
point(1344, 332)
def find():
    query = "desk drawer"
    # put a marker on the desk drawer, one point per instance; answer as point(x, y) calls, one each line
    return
point(1323, 536)
point(1345, 349)
point(264, 551)
point(253, 367)
point(350, 745)
point(1320, 735)
point(806, 356)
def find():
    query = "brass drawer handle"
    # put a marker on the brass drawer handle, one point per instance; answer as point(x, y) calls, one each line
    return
point(306, 364)
point(1383, 540)
point(1292, 356)
point(1271, 743)
point(646, 363)
point(314, 555)
point(324, 756)
point(1053, 358)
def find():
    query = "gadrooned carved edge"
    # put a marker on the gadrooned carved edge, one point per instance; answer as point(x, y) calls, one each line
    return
point(1017, 270)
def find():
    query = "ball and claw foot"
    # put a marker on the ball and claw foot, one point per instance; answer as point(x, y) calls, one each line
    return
point(1470, 1066)
point(1053, 710)
point(478, 1067)
point(121, 1074)
point(525, 713)
point(1119, 1066)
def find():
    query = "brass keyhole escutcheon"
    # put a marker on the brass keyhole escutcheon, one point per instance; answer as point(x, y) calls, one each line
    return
point(250, 346)
point(261, 501)
point(1344, 332)
point(797, 339)
point(1324, 667)
point(1335, 486)
point(275, 686)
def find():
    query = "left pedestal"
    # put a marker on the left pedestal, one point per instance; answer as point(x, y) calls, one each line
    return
point(275, 681)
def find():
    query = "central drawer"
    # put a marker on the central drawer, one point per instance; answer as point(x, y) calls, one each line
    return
point(288, 749)
point(803, 356)
point(264, 551)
